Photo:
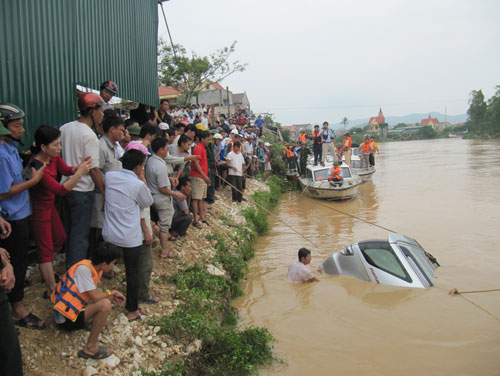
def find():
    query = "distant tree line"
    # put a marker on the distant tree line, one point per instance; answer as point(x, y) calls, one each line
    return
point(484, 116)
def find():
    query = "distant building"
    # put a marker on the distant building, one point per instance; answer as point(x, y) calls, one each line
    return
point(241, 100)
point(430, 121)
point(375, 122)
point(169, 92)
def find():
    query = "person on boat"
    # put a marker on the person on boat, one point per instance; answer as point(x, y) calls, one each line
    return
point(316, 138)
point(328, 145)
point(336, 173)
point(298, 271)
point(302, 137)
point(303, 153)
point(365, 149)
point(291, 158)
point(375, 150)
point(346, 146)
point(78, 303)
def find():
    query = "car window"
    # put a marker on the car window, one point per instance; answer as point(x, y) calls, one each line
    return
point(321, 174)
point(381, 255)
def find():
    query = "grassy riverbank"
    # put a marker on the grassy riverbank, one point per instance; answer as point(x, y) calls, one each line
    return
point(193, 328)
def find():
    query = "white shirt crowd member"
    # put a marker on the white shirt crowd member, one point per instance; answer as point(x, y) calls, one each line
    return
point(78, 142)
point(235, 160)
point(125, 195)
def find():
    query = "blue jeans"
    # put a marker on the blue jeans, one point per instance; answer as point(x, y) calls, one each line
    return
point(78, 213)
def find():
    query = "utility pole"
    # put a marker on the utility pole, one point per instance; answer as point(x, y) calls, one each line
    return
point(228, 103)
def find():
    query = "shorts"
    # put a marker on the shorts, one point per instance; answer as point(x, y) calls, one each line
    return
point(78, 324)
point(165, 210)
point(199, 191)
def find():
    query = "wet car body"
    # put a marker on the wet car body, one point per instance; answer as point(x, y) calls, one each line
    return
point(397, 261)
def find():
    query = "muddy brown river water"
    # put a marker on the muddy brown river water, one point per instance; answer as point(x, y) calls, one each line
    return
point(445, 194)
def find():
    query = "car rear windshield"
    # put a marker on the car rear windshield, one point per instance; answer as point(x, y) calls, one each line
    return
point(381, 255)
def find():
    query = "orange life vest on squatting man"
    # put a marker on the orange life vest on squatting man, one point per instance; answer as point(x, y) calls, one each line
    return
point(289, 153)
point(66, 298)
point(302, 137)
point(365, 147)
point(335, 172)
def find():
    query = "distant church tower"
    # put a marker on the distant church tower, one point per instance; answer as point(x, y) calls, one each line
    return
point(375, 122)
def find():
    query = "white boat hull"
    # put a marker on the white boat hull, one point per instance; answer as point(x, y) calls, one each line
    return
point(326, 191)
point(364, 173)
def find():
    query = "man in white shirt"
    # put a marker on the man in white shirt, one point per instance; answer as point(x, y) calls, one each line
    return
point(78, 143)
point(126, 193)
point(298, 271)
point(236, 165)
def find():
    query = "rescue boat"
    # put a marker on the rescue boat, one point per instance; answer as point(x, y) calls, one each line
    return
point(364, 173)
point(316, 185)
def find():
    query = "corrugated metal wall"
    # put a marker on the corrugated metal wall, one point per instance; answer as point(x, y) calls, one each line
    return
point(49, 46)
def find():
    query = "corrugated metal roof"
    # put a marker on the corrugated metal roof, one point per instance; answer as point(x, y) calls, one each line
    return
point(49, 46)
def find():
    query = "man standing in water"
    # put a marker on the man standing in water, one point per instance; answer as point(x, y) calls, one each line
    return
point(298, 271)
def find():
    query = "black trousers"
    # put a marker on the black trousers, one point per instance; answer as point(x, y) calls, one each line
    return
point(236, 181)
point(317, 153)
point(11, 362)
point(211, 188)
point(181, 223)
point(17, 244)
point(131, 258)
point(371, 159)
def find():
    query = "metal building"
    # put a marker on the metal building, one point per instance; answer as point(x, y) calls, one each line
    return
point(48, 47)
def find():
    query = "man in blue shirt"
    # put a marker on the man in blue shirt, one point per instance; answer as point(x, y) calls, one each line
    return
point(16, 208)
point(259, 123)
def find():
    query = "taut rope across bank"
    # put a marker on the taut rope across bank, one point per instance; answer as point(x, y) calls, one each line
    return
point(268, 212)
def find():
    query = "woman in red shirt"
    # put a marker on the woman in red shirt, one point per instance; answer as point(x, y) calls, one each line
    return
point(46, 225)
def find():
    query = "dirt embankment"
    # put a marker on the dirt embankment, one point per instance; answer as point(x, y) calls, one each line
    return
point(135, 345)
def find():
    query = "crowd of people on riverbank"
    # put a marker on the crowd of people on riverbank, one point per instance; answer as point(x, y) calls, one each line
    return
point(123, 182)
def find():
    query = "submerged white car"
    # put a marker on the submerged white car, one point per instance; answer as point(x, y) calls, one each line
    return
point(397, 261)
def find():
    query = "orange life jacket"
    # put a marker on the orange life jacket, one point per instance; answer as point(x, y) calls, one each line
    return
point(289, 153)
point(66, 298)
point(365, 147)
point(302, 137)
point(316, 137)
point(348, 140)
point(335, 172)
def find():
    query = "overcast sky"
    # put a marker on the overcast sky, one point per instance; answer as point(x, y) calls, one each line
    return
point(316, 60)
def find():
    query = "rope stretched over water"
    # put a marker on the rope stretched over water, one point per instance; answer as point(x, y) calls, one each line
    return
point(355, 217)
point(456, 292)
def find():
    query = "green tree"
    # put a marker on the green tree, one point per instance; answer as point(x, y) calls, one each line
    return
point(345, 121)
point(427, 132)
point(400, 125)
point(492, 118)
point(285, 133)
point(477, 110)
point(188, 72)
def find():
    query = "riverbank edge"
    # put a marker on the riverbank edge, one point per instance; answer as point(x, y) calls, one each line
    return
point(204, 322)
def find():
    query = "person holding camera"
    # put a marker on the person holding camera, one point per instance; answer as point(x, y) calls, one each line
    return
point(328, 145)
point(46, 226)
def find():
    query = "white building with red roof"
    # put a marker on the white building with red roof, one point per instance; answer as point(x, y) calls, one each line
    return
point(375, 122)
point(430, 121)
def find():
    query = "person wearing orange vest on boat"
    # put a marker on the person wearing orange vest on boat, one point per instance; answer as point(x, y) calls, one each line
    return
point(346, 145)
point(290, 157)
point(365, 149)
point(375, 150)
point(316, 138)
point(77, 300)
point(303, 137)
point(336, 172)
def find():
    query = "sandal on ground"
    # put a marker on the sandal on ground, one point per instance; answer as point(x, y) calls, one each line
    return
point(172, 237)
point(30, 322)
point(138, 317)
point(197, 225)
point(101, 353)
point(151, 299)
point(205, 222)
